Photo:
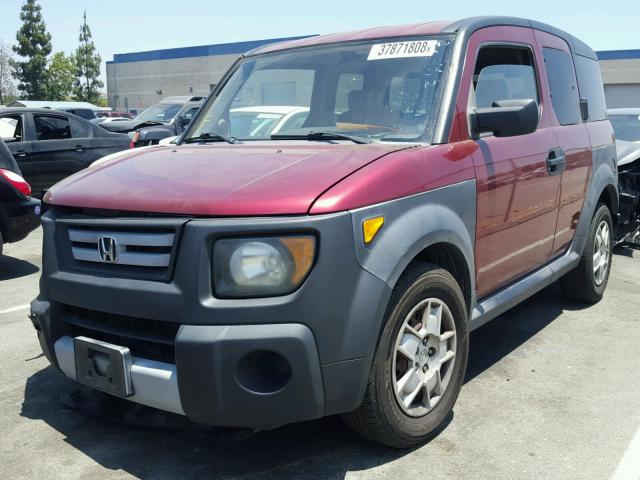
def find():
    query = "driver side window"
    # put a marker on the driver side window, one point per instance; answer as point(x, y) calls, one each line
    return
point(503, 73)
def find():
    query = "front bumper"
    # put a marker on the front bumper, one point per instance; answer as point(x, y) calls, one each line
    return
point(252, 363)
point(22, 218)
point(255, 376)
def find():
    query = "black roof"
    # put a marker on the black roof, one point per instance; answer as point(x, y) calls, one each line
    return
point(469, 25)
point(33, 110)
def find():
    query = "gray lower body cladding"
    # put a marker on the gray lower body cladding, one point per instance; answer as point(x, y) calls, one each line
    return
point(246, 363)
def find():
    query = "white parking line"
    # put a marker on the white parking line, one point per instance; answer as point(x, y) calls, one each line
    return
point(15, 309)
point(629, 466)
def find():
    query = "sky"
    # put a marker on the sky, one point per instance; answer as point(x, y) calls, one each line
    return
point(120, 26)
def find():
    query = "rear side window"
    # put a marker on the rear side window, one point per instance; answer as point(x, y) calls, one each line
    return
point(86, 113)
point(503, 73)
point(52, 128)
point(189, 114)
point(11, 128)
point(562, 84)
point(626, 126)
point(80, 129)
point(590, 86)
point(295, 122)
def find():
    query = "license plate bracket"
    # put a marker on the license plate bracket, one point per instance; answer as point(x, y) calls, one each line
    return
point(103, 366)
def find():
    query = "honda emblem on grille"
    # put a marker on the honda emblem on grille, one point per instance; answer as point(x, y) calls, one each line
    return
point(107, 247)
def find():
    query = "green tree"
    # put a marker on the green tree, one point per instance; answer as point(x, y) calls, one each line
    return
point(61, 76)
point(7, 87)
point(34, 45)
point(88, 62)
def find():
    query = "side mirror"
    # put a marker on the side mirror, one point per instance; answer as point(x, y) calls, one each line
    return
point(507, 118)
point(184, 121)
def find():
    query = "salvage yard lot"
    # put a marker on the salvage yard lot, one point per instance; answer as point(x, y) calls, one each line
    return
point(552, 391)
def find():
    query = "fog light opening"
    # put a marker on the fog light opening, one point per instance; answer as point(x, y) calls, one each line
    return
point(263, 372)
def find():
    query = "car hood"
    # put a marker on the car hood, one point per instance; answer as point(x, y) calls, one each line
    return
point(125, 126)
point(217, 180)
point(627, 152)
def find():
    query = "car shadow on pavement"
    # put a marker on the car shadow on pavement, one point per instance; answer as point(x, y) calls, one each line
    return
point(624, 251)
point(11, 268)
point(324, 448)
point(498, 338)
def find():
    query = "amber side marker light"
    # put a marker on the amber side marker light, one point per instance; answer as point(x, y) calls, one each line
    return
point(371, 227)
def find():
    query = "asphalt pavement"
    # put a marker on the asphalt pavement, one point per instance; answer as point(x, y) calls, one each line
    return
point(552, 391)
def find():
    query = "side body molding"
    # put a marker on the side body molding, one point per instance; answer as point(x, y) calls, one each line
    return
point(411, 224)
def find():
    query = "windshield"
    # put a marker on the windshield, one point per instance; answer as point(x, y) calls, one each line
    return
point(382, 91)
point(626, 127)
point(162, 112)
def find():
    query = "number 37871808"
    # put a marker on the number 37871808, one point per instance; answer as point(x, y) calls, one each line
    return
point(417, 48)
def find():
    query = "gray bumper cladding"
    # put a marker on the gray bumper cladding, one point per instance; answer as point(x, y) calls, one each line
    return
point(249, 375)
point(255, 376)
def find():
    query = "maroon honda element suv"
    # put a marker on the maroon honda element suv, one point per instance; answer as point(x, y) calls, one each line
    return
point(431, 176)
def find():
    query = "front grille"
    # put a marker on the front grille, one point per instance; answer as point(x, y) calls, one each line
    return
point(151, 339)
point(130, 248)
point(141, 249)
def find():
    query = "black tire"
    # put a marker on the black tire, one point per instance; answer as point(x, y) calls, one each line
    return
point(580, 283)
point(1, 244)
point(380, 417)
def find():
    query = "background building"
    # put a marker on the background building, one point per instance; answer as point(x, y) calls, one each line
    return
point(136, 81)
point(621, 76)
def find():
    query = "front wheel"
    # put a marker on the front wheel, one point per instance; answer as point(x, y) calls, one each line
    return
point(588, 281)
point(419, 366)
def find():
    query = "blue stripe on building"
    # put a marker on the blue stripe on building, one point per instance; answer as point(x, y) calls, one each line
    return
point(618, 55)
point(239, 48)
point(236, 48)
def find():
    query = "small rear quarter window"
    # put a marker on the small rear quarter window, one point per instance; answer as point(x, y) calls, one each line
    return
point(562, 84)
point(590, 86)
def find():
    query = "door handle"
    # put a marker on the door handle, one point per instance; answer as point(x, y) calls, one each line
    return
point(21, 153)
point(79, 148)
point(556, 161)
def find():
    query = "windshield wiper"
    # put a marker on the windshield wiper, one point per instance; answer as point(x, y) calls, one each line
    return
point(321, 135)
point(211, 137)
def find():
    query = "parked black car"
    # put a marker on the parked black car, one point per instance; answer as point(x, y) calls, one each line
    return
point(85, 113)
point(166, 119)
point(50, 145)
point(19, 213)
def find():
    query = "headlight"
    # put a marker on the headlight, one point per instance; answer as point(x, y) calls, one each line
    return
point(260, 267)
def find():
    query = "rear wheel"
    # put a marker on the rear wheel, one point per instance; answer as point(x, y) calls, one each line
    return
point(588, 281)
point(1, 244)
point(420, 362)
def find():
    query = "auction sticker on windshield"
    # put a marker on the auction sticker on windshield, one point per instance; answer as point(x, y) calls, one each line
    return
point(416, 48)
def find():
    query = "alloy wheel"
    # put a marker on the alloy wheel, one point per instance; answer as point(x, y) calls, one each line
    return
point(601, 252)
point(424, 357)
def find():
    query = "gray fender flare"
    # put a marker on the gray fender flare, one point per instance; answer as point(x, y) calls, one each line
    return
point(411, 224)
point(604, 176)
